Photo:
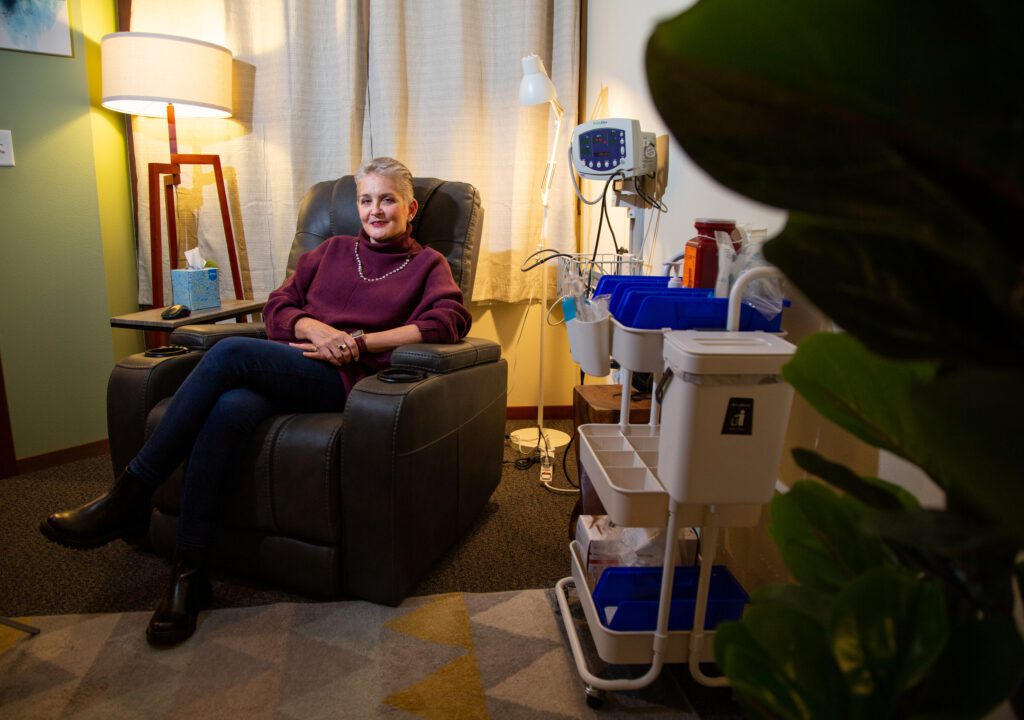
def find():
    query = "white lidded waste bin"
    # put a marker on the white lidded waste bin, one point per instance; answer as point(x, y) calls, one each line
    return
point(724, 416)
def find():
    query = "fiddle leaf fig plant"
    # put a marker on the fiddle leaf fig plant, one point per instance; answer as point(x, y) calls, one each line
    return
point(894, 135)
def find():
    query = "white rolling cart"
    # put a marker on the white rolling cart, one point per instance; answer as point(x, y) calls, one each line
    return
point(710, 463)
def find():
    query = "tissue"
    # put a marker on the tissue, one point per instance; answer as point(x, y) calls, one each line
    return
point(197, 287)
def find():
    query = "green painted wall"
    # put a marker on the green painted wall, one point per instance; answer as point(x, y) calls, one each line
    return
point(55, 338)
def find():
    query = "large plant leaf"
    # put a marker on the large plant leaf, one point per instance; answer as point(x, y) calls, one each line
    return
point(863, 393)
point(982, 665)
point(818, 534)
point(901, 298)
point(953, 424)
point(798, 597)
point(969, 418)
point(778, 660)
point(873, 492)
point(888, 628)
point(833, 111)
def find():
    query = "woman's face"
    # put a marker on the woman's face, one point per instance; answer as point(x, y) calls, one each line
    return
point(383, 212)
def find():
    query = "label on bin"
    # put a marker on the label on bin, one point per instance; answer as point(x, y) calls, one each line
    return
point(739, 417)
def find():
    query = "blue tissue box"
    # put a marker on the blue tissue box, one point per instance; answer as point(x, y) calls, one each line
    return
point(198, 289)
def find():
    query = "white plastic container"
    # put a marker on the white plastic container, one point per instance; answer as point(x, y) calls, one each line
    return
point(620, 465)
point(590, 344)
point(724, 416)
point(637, 350)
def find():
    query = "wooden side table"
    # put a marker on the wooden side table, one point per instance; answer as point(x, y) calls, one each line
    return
point(151, 320)
point(601, 404)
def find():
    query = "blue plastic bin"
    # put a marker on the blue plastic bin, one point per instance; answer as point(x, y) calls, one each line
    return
point(607, 284)
point(634, 591)
point(652, 311)
point(623, 292)
point(632, 299)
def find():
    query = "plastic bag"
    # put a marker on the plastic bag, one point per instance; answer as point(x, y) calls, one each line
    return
point(764, 294)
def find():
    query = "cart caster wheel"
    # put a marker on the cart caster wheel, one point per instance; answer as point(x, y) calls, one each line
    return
point(595, 697)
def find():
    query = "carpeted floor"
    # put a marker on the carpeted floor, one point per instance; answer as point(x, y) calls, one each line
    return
point(519, 542)
point(457, 656)
point(262, 652)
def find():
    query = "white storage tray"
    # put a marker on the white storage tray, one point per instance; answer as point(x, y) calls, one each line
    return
point(630, 648)
point(620, 465)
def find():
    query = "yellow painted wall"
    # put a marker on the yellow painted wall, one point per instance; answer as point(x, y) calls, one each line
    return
point(57, 219)
point(516, 327)
point(110, 155)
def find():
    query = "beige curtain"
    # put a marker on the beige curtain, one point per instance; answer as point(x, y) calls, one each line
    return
point(444, 97)
point(299, 92)
point(322, 85)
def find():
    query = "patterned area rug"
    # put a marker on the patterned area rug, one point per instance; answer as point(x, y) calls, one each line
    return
point(458, 656)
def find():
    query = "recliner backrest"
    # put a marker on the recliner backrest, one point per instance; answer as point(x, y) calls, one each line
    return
point(449, 220)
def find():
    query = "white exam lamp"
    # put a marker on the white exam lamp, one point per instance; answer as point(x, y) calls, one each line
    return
point(535, 89)
point(158, 75)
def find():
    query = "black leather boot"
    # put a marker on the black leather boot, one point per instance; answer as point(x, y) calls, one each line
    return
point(189, 593)
point(121, 512)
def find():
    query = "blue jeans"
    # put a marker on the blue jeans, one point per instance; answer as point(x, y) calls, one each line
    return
point(239, 383)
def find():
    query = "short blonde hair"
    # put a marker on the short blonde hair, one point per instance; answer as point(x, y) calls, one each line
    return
point(390, 168)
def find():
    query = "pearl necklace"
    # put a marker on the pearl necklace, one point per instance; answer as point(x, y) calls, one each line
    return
point(359, 267)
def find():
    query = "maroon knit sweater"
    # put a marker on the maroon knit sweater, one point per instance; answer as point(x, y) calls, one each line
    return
point(326, 286)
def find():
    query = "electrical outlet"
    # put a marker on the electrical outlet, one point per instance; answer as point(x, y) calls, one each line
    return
point(6, 149)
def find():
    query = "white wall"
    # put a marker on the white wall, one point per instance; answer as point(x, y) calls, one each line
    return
point(617, 34)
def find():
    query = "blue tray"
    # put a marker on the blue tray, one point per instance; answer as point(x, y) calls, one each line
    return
point(634, 591)
point(627, 301)
point(607, 283)
point(622, 292)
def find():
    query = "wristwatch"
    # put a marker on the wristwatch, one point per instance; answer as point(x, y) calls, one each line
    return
point(360, 337)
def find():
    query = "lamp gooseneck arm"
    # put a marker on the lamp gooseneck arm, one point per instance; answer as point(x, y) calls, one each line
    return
point(549, 170)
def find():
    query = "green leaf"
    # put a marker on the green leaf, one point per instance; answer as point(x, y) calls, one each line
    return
point(778, 661)
point(981, 666)
point(968, 418)
point(873, 492)
point(799, 598)
point(887, 630)
point(818, 534)
point(861, 392)
point(900, 297)
point(954, 425)
point(934, 531)
point(828, 110)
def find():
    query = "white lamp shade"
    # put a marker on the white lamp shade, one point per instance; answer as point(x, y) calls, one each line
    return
point(536, 87)
point(143, 72)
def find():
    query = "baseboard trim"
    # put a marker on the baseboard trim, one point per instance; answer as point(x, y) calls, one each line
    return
point(59, 457)
point(529, 412)
point(81, 452)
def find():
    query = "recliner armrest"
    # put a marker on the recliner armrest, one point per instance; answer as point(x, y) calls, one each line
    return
point(440, 359)
point(203, 337)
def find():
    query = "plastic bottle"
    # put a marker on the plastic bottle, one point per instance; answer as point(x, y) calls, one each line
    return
point(700, 268)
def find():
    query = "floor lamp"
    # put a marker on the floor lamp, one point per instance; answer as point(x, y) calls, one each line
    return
point(536, 89)
point(158, 75)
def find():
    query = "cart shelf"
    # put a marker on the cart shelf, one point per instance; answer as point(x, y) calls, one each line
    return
point(627, 648)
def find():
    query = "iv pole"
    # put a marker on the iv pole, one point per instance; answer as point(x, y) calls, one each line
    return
point(537, 88)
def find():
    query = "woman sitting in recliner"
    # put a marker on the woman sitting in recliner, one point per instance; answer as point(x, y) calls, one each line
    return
point(334, 321)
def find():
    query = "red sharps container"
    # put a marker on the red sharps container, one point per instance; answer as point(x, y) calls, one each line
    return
point(700, 264)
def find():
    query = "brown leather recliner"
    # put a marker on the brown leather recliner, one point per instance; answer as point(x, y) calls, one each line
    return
point(364, 502)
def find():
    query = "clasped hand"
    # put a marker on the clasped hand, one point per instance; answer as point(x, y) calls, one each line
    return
point(323, 342)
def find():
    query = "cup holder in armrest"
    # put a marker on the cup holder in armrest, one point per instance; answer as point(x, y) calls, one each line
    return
point(401, 375)
point(167, 351)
